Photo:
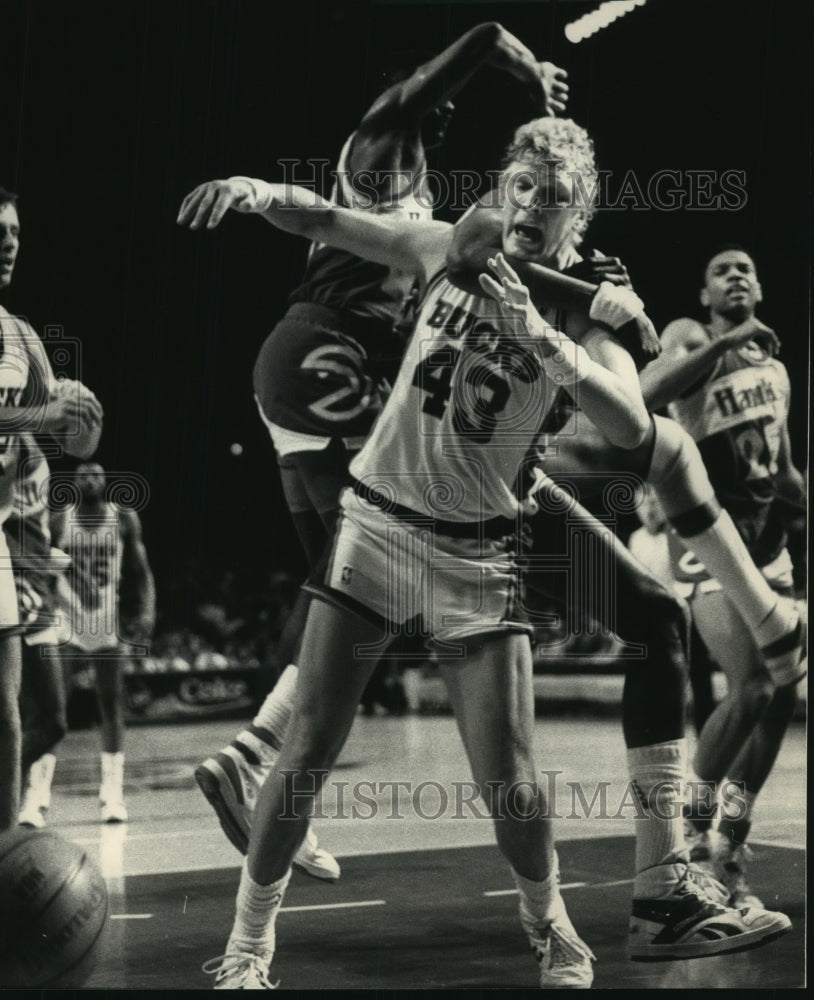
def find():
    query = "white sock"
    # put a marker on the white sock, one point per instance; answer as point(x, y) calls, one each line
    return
point(256, 909)
point(721, 549)
point(112, 769)
point(276, 709)
point(540, 902)
point(657, 773)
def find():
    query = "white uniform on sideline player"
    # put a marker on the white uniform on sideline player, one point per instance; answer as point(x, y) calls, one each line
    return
point(30, 401)
point(108, 559)
point(476, 384)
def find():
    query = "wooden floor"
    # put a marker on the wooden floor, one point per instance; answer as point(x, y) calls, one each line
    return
point(425, 901)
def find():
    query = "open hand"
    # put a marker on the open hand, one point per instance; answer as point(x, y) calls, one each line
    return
point(511, 295)
point(209, 202)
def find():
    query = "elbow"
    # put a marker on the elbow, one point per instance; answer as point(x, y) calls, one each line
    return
point(490, 31)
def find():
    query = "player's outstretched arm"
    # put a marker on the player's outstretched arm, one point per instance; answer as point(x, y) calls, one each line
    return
point(608, 389)
point(688, 355)
point(406, 103)
point(385, 239)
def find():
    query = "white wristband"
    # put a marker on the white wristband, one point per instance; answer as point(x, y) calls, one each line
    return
point(262, 196)
point(614, 306)
point(569, 364)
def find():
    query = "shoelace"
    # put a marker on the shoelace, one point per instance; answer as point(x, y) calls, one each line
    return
point(707, 883)
point(234, 961)
point(567, 949)
point(699, 882)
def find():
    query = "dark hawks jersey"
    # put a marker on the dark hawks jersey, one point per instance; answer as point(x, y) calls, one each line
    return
point(736, 416)
point(325, 369)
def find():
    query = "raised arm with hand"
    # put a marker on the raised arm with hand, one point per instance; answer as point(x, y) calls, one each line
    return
point(436, 81)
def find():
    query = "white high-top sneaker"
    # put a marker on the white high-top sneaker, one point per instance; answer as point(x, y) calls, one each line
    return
point(37, 795)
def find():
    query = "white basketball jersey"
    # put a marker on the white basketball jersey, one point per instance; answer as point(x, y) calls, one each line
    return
point(24, 369)
point(465, 411)
point(89, 591)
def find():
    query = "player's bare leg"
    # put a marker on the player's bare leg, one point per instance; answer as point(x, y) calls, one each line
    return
point(44, 725)
point(231, 779)
point(10, 730)
point(739, 741)
point(110, 697)
point(332, 678)
point(492, 696)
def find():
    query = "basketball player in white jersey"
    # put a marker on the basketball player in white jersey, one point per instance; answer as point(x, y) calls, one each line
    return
point(31, 401)
point(732, 396)
point(107, 555)
point(428, 530)
point(322, 375)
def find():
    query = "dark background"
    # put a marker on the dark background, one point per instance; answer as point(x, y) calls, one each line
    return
point(112, 112)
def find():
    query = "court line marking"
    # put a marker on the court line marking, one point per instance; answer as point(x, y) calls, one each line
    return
point(513, 892)
point(333, 906)
point(567, 885)
point(131, 916)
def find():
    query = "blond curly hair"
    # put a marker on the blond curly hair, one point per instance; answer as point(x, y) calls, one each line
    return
point(561, 141)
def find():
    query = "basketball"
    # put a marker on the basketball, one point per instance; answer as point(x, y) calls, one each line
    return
point(53, 909)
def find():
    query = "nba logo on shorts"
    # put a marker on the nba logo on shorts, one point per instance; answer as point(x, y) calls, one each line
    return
point(347, 573)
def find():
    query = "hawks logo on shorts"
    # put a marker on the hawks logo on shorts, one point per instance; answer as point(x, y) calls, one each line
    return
point(348, 391)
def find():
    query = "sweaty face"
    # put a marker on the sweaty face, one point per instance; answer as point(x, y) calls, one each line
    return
point(539, 212)
point(9, 242)
point(731, 287)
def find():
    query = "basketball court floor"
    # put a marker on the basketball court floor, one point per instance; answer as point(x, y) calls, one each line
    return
point(425, 900)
